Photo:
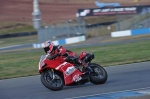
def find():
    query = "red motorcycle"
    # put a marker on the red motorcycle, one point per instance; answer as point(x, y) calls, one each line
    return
point(56, 73)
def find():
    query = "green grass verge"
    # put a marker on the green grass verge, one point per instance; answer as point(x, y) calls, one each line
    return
point(15, 28)
point(18, 40)
point(25, 63)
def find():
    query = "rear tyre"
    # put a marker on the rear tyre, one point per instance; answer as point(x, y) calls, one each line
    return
point(99, 75)
point(52, 84)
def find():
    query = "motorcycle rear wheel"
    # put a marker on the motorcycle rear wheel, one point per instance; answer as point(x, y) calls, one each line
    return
point(99, 75)
point(55, 85)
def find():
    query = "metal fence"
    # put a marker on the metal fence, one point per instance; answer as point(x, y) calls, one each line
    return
point(133, 22)
point(123, 22)
point(62, 30)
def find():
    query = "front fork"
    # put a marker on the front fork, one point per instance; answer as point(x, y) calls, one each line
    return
point(51, 73)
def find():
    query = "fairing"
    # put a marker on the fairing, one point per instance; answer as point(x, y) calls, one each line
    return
point(70, 73)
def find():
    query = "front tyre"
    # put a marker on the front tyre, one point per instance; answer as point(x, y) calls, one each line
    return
point(99, 74)
point(52, 84)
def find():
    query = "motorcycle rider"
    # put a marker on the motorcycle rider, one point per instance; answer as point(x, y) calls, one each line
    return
point(52, 50)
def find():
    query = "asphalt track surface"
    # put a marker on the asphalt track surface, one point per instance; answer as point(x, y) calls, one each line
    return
point(15, 47)
point(120, 78)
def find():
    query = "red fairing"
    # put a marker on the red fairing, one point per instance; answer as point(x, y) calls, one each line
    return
point(70, 73)
point(52, 63)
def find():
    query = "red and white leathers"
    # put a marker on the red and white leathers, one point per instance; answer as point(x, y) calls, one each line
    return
point(62, 52)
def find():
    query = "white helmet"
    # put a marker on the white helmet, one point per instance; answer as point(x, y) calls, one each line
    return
point(48, 46)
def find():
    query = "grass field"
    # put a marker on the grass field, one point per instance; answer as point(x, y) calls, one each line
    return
point(18, 40)
point(15, 28)
point(25, 63)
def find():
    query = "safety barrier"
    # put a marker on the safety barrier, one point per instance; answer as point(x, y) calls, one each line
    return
point(62, 41)
point(131, 32)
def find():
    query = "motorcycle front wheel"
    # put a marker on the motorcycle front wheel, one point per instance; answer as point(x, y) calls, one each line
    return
point(99, 74)
point(52, 84)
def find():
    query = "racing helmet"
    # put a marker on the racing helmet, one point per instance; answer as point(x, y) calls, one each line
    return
point(48, 46)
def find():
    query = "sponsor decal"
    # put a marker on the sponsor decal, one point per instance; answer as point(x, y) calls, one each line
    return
point(77, 78)
point(70, 70)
